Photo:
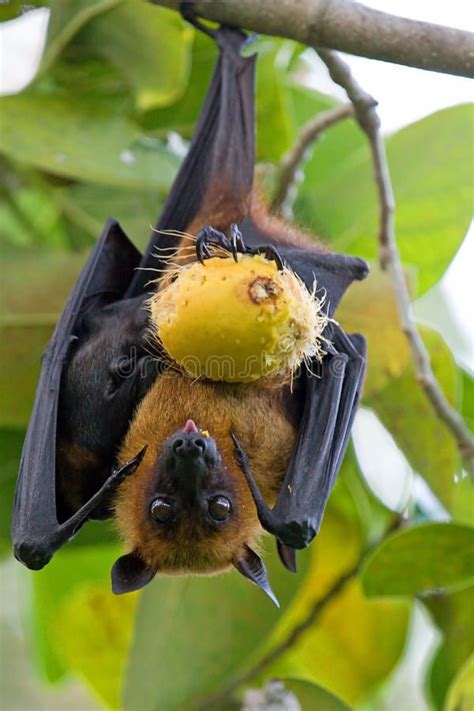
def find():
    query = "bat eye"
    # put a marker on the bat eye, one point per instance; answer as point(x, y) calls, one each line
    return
point(220, 508)
point(161, 510)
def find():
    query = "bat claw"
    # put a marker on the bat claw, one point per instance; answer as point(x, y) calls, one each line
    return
point(240, 455)
point(188, 13)
point(208, 237)
point(237, 242)
point(272, 254)
point(127, 469)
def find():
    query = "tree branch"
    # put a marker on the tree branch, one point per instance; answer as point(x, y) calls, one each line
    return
point(349, 27)
point(367, 117)
point(308, 134)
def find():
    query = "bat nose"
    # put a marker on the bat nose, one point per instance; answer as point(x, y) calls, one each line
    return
point(188, 445)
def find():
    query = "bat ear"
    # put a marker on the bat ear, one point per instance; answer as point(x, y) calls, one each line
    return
point(129, 573)
point(251, 566)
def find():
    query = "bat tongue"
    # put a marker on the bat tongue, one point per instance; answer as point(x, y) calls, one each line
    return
point(190, 426)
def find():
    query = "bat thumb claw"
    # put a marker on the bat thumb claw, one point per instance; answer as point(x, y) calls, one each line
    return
point(129, 467)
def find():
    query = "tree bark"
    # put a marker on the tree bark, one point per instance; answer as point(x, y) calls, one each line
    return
point(348, 27)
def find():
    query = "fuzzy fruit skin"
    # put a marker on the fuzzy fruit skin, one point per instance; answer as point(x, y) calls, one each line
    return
point(234, 322)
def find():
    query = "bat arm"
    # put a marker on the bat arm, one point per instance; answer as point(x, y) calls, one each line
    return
point(308, 478)
point(35, 553)
point(265, 514)
point(330, 406)
point(281, 521)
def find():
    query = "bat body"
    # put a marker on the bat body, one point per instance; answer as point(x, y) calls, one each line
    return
point(192, 471)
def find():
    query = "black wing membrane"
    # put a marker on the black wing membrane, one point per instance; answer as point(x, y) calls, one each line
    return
point(331, 402)
point(330, 405)
point(214, 183)
point(36, 532)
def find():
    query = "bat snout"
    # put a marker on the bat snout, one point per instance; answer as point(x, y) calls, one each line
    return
point(188, 445)
point(189, 450)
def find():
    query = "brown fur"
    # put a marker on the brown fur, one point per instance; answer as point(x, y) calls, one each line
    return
point(255, 415)
point(280, 230)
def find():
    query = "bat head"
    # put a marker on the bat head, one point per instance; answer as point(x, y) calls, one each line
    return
point(188, 508)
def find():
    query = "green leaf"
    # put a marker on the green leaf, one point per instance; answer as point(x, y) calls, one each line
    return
point(30, 217)
point(430, 163)
point(70, 570)
point(453, 615)
point(275, 127)
point(327, 158)
point(66, 19)
point(10, 11)
point(461, 692)
point(82, 140)
point(406, 412)
point(467, 408)
point(29, 314)
point(157, 64)
point(93, 632)
point(312, 697)
point(421, 559)
point(182, 115)
point(89, 206)
point(366, 638)
point(11, 443)
point(208, 628)
point(355, 642)
point(369, 308)
point(364, 657)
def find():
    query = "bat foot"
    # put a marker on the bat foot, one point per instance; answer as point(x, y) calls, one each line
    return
point(188, 13)
point(269, 251)
point(208, 237)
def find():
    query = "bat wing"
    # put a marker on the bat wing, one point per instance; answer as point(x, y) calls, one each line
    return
point(330, 404)
point(214, 183)
point(36, 532)
point(330, 391)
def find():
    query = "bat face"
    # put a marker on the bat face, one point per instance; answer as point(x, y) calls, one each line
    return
point(188, 508)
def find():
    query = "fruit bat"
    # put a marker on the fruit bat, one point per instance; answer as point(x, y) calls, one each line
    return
point(191, 471)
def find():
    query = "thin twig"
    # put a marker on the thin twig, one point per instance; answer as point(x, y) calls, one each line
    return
point(348, 27)
point(287, 643)
point(308, 134)
point(367, 117)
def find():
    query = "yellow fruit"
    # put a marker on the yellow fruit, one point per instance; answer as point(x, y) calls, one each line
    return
point(237, 322)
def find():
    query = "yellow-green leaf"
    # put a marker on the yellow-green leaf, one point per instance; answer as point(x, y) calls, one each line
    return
point(406, 412)
point(149, 45)
point(93, 631)
point(461, 692)
point(420, 559)
point(453, 614)
point(369, 308)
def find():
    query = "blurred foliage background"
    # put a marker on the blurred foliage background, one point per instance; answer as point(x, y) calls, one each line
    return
point(100, 132)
